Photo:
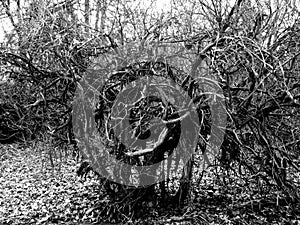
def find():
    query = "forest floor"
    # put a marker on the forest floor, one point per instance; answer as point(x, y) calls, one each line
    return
point(35, 191)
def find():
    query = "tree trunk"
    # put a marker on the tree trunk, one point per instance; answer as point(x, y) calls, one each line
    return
point(87, 15)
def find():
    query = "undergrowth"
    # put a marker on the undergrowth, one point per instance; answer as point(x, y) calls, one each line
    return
point(39, 187)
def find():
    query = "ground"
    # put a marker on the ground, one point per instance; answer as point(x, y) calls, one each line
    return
point(37, 190)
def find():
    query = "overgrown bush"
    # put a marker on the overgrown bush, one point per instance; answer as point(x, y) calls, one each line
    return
point(251, 52)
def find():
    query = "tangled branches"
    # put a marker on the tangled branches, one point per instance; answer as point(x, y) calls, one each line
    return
point(142, 127)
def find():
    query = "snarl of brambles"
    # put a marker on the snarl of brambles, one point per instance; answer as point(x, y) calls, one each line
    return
point(139, 105)
point(149, 115)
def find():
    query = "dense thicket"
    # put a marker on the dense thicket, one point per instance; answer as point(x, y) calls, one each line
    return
point(250, 49)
